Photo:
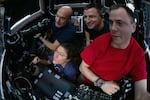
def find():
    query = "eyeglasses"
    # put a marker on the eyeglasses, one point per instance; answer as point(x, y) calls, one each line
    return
point(60, 53)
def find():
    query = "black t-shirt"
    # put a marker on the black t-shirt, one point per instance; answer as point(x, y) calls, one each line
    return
point(95, 33)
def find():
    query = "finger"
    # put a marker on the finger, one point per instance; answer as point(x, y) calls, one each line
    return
point(115, 86)
point(109, 93)
point(114, 91)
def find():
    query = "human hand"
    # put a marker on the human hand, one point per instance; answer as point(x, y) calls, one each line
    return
point(36, 60)
point(110, 87)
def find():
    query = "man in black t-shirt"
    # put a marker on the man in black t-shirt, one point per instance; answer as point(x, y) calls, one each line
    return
point(95, 24)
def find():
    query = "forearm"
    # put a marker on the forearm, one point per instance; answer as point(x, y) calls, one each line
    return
point(88, 73)
point(87, 38)
point(47, 43)
point(87, 42)
point(43, 61)
point(142, 96)
point(141, 90)
point(106, 86)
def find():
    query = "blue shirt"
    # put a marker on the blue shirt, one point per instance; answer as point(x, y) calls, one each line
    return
point(63, 34)
point(67, 71)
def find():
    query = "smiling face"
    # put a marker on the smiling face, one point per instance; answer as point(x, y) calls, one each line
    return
point(60, 56)
point(92, 18)
point(121, 27)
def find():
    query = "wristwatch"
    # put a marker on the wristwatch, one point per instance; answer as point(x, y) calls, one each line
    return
point(99, 83)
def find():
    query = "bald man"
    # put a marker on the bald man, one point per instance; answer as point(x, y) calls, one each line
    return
point(62, 29)
point(62, 16)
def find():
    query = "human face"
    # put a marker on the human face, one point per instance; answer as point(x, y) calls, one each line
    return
point(92, 19)
point(62, 17)
point(60, 56)
point(121, 28)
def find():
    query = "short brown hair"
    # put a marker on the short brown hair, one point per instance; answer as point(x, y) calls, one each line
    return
point(127, 9)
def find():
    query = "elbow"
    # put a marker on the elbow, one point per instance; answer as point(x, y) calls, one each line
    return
point(82, 69)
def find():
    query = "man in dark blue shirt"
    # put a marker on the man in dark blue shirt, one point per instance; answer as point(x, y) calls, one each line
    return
point(62, 34)
point(62, 29)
